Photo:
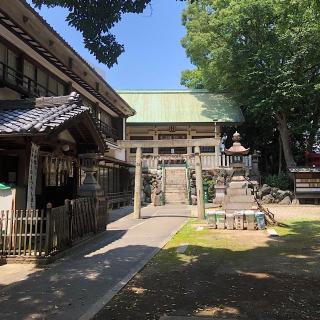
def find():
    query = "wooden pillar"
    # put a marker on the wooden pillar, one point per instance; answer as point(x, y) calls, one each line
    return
point(137, 184)
point(199, 184)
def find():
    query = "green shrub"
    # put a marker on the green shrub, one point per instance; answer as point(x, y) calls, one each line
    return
point(281, 181)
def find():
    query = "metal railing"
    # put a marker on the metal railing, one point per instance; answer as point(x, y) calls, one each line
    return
point(22, 83)
point(106, 130)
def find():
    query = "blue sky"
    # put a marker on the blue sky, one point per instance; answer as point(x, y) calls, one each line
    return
point(153, 58)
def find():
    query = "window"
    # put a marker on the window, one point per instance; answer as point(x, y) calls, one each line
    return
point(52, 86)
point(41, 83)
point(169, 150)
point(12, 64)
point(61, 89)
point(29, 75)
point(3, 53)
point(204, 149)
point(144, 150)
point(3, 58)
point(104, 117)
point(26, 74)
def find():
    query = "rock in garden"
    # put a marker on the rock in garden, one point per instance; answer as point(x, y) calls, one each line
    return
point(282, 194)
point(286, 200)
point(265, 190)
point(258, 195)
point(268, 199)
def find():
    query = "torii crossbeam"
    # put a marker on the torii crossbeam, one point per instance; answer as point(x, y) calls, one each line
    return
point(139, 144)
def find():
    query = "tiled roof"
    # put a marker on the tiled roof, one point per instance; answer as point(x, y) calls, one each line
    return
point(41, 115)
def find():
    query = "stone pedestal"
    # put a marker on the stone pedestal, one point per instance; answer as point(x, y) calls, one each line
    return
point(220, 194)
point(238, 197)
point(90, 186)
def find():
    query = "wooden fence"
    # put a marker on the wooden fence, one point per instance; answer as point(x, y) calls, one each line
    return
point(117, 199)
point(41, 233)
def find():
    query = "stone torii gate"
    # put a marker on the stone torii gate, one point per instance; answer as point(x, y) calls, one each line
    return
point(139, 144)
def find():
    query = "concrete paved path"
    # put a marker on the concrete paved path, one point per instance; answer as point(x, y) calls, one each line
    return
point(76, 287)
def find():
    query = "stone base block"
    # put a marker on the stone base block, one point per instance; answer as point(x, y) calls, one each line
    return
point(239, 199)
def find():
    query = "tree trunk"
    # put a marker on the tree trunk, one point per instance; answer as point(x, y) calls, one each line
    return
point(280, 156)
point(285, 138)
point(313, 131)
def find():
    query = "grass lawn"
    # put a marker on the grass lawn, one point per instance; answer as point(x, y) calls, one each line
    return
point(229, 274)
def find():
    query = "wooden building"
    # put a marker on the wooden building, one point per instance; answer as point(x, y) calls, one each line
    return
point(180, 114)
point(40, 140)
point(306, 184)
point(35, 61)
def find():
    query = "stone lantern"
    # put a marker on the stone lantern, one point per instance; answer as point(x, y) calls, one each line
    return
point(237, 151)
point(90, 187)
point(239, 196)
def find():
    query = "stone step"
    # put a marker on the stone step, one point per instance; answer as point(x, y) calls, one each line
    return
point(176, 202)
point(175, 184)
point(175, 198)
point(175, 189)
point(176, 172)
point(175, 176)
point(176, 192)
point(171, 177)
point(175, 195)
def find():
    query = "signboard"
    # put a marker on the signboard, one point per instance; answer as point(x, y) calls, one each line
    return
point(32, 176)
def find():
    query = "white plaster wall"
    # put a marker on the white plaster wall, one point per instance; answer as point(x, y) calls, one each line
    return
point(120, 154)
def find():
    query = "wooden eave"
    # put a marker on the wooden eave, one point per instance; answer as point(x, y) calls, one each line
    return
point(26, 23)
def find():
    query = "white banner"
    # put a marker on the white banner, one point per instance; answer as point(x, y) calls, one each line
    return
point(32, 177)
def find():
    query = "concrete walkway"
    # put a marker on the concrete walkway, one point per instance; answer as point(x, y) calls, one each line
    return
point(76, 287)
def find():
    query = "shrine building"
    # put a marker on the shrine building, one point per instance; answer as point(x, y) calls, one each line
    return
point(179, 114)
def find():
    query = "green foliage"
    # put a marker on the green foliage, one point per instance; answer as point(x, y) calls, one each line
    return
point(281, 181)
point(94, 19)
point(192, 79)
point(208, 180)
point(266, 54)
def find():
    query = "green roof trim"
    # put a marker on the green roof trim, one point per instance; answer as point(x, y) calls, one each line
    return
point(181, 106)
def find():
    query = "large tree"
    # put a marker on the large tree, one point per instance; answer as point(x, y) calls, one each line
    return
point(266, 54)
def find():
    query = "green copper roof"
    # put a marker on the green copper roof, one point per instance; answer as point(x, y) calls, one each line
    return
point(182, 106)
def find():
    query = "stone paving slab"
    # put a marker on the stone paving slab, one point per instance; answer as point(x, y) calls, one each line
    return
point(77, 286)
